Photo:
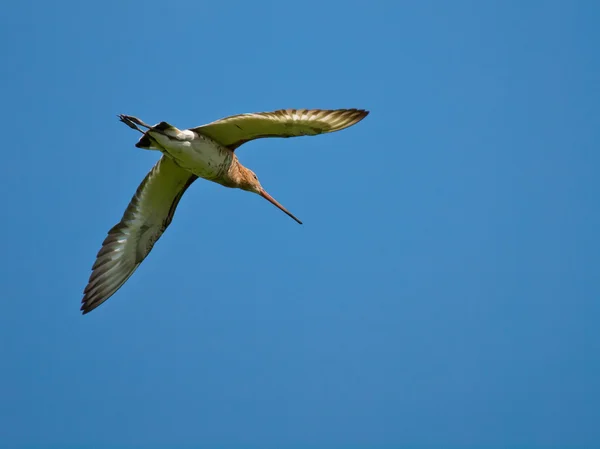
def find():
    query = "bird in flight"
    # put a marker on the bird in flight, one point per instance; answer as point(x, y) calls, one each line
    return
point(208, 152)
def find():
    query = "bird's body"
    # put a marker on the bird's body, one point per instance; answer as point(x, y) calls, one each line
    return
point(205, 152)
point(198, 154)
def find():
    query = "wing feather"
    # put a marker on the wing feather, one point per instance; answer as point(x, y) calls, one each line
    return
point(127, 244)
point(235, 130)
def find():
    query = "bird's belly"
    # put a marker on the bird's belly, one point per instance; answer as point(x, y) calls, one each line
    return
point(202, 157)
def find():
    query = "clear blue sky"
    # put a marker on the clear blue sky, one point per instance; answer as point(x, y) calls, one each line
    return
point(443, 292)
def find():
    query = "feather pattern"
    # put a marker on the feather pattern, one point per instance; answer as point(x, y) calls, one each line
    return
point(236, 130)
point(129, 242)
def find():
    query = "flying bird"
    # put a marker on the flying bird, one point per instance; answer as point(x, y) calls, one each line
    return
point(207, 152)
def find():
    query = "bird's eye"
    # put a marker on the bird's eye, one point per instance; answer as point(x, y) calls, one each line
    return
point(254, 176)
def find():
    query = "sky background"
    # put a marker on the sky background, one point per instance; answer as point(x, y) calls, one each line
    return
point(443, 292)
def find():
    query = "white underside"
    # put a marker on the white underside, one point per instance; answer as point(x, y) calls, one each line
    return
point(198, 154)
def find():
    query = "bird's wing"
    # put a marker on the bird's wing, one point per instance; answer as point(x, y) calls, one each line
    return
point(128, 243)
point(235, 130)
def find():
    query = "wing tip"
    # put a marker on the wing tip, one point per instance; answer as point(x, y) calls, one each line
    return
point(361, 113)
point(337, 119)
point(93, 299)
point(87, 306)
point(344, 118)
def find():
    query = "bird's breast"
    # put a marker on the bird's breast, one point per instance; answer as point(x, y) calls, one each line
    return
point(201, 156)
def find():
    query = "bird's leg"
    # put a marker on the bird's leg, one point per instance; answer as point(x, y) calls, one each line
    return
point(132, 122)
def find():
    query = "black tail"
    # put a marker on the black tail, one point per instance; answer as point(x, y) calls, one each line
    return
point(145, 142)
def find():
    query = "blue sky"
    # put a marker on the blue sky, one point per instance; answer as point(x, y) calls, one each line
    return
point(443, 291)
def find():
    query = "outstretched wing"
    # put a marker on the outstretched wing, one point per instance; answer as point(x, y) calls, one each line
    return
point(235, 130)
point(129, 242)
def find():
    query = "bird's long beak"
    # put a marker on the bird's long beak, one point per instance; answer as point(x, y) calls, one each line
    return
point(273, 201)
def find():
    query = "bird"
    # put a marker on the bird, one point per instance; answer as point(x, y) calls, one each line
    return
point(208, 152)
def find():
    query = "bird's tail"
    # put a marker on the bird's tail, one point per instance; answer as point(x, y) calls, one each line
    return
point(145, 141)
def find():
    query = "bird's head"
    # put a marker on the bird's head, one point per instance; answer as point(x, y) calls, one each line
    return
point(249, 181)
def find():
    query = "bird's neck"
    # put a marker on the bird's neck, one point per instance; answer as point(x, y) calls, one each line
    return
point(234, 177)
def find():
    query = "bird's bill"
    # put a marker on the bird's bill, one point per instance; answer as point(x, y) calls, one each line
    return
point(273, 201)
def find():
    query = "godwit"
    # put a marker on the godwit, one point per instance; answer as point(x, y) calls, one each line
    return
point(206, 152)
